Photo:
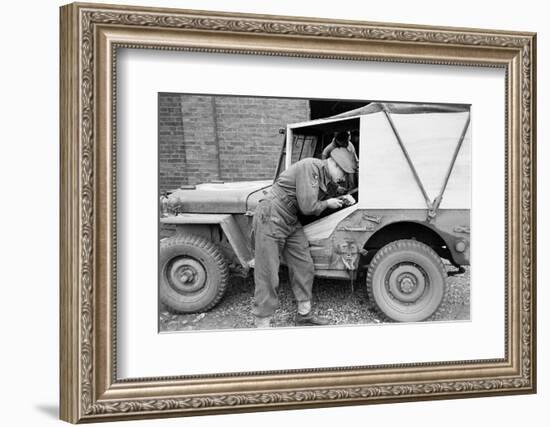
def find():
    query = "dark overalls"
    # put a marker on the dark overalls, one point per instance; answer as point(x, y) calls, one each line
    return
point(278, 232)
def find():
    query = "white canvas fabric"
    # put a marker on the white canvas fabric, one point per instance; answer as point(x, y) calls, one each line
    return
point(385, 177)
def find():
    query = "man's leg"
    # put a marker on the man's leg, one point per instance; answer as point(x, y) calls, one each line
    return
point(301, 273)
point(266, 271)
point(300, 265)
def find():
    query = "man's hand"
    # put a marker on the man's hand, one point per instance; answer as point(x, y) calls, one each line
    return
point(334, 203)
point(347, 200)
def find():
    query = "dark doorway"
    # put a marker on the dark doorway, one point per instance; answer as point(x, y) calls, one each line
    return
point(323, 108)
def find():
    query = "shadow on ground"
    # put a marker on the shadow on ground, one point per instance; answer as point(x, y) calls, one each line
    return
point(52, 411)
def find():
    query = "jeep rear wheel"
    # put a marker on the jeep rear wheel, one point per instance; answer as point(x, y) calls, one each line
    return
point(406, 281)
point(193, 274)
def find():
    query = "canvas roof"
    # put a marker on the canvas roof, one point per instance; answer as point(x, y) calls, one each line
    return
point(403, 108)
point(391, 107)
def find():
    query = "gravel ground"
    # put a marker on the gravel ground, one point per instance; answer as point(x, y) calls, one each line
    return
point(331, 298)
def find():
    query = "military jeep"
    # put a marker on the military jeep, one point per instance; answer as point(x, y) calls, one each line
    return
point(412, 212)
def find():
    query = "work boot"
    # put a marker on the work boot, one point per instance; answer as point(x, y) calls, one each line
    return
point(262, 322)
point(310, 319)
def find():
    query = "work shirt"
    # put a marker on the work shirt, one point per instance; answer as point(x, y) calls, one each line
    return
point(304, 186)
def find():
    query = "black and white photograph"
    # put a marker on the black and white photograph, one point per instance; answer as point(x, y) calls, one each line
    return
point(289, 212)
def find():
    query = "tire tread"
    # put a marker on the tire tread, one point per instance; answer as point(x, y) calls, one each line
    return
point(404, 244)
point(211, 249)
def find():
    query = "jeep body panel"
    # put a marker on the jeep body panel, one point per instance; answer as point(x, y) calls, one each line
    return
point(337, 244)
point(223, 198)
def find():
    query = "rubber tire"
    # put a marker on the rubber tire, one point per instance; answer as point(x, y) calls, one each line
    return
point(401, 251)
point(212, 260)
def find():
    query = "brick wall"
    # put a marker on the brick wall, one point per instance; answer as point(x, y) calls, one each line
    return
point(222, 137)
point(171, 142)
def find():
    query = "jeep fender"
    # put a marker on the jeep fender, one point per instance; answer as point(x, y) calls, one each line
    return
point(227, 224)
point(345, 233)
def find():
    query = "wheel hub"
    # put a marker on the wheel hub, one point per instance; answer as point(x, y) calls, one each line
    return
point(186, 275)
point(406, 282)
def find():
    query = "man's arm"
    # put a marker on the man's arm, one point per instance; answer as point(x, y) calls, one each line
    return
point(307, 190)
point(327, 150)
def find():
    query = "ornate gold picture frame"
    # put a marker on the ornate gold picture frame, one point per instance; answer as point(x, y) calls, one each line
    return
point(91, 34)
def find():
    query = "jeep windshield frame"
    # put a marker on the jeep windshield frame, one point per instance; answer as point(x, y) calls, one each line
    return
point(314, 129)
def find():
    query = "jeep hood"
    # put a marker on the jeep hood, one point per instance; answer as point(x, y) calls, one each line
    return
point(228, 197)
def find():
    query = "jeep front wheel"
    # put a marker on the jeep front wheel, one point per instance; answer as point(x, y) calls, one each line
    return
point(193, 274)
point(406, 281)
